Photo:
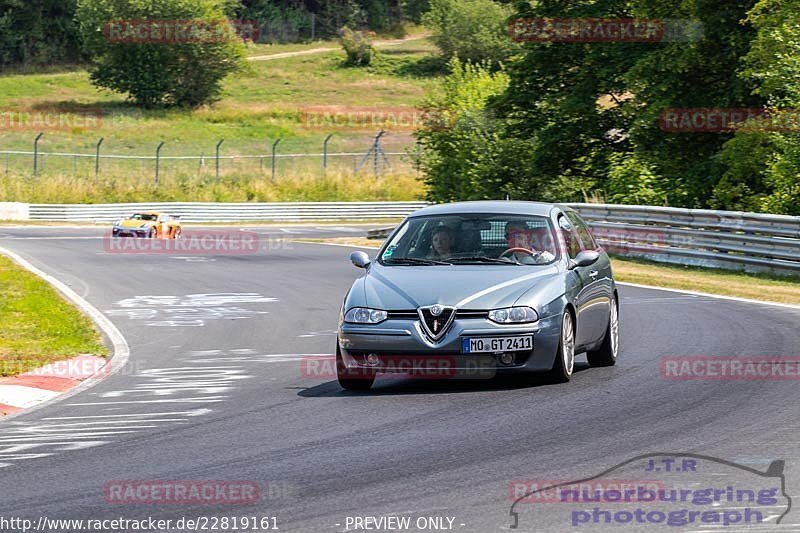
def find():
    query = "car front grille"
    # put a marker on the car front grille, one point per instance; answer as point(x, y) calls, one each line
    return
point(411, 314)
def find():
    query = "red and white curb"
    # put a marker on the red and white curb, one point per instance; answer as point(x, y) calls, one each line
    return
point(47, 382)
point(57, 381)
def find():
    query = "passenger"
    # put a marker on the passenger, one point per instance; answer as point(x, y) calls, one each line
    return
point(442, 243)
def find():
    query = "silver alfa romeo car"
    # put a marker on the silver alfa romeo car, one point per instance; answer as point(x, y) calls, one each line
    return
point(478, 288)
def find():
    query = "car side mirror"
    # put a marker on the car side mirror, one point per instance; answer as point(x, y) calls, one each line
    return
point(360, 259)
point(585, 258)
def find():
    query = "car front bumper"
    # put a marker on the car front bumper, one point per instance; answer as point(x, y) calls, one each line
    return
point(403, 340)
point(130, 232)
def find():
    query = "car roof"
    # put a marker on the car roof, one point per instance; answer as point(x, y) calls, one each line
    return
point(504, 207)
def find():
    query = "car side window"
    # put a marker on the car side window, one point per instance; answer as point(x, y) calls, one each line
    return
point(587, 240)
point(571, 237)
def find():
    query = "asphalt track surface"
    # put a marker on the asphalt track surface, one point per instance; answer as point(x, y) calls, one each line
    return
point(215, 390)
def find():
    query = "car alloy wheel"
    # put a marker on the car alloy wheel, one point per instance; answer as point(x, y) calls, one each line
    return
point(568, 343)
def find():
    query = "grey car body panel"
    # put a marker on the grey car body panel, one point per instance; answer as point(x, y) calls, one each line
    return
point(549, 289)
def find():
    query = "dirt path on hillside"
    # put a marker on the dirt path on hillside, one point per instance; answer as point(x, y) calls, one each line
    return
point(312, 51)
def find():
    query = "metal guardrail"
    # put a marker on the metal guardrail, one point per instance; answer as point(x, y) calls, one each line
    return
point(234, 212)
point(722, 239)
point(719, 239)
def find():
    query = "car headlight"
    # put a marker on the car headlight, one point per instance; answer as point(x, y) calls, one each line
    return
point(364, 315)
point(513, 315)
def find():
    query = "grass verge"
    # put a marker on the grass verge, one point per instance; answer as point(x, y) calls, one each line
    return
point(37, 326)
point(334, 187)
point(762, 287)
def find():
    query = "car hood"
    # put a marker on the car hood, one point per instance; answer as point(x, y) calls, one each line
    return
point(135, 223)
point(463, 286)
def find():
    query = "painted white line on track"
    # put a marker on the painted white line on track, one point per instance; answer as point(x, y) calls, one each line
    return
point(120, 352)
point(208, 399)
point(24, 397)
point(195, 412)
point(68, 238)
point(338, 244)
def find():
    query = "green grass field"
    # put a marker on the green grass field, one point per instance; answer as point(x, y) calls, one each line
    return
point(283, 98)
point(36, 325)
point(258, 105)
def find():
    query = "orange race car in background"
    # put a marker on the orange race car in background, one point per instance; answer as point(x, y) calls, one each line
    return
point(148, 225)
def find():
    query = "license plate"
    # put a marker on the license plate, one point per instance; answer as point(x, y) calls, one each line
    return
point(497, 344)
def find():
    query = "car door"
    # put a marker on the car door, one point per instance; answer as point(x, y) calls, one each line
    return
point(597, 285)
point(576, 281)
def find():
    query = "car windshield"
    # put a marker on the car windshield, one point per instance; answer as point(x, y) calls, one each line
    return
point(484, 239)
point(143, 216)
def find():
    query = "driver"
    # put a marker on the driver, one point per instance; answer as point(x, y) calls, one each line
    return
point(520, 239)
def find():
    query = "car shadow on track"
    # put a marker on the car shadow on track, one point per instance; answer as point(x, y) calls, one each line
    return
point(389, 385)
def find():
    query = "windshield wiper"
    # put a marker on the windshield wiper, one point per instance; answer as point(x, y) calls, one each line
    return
point(480, 259)
point(414, 261)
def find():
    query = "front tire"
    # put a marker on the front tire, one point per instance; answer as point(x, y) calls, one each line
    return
point(357, 379)
point(606, 354)
point(564, 364)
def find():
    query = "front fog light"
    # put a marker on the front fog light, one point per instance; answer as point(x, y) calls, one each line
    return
point(364, 315)
point(513, 315)
point(507, 359)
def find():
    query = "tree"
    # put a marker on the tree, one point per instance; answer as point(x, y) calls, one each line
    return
point(131, 53)
point(590, 111)
point(764, 167)
point(458, 136)
point(38, 32)
point(472, 30)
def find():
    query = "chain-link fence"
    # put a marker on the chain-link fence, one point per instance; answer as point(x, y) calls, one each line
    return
point(218, 163)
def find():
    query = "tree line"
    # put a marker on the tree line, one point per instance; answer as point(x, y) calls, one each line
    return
point(43, 32)
point(583, 119)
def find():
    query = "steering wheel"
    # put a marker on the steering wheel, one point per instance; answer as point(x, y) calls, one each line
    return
point(523, 250)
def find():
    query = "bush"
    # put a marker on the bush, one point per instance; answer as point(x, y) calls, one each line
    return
point(472, 30)
point(459, 139)
point(358, 48)
point(185, 73)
